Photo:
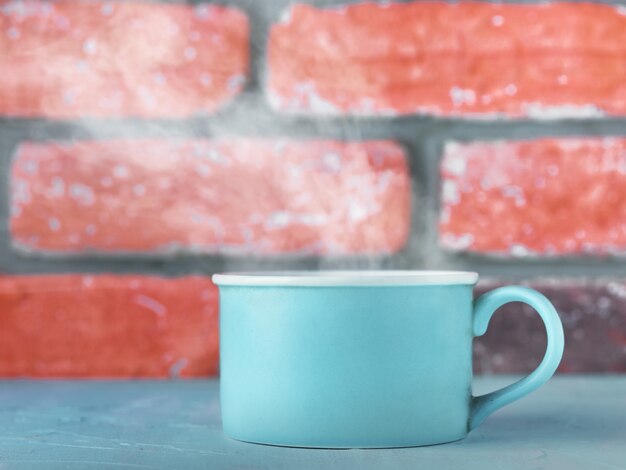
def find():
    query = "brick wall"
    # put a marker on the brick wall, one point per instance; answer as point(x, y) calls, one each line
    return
point(145, 146)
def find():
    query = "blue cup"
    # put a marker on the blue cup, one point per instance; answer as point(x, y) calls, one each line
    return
point(361, 359)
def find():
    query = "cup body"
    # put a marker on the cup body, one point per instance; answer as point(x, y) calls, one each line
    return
point(343, 366)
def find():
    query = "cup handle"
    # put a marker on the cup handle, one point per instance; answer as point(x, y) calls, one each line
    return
point(484, 308)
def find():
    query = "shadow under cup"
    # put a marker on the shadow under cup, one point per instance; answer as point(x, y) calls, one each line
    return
point(358, 359)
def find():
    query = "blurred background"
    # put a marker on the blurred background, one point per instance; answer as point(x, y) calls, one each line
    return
point(147, 145)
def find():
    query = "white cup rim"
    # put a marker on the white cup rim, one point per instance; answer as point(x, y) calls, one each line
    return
point(346, 278)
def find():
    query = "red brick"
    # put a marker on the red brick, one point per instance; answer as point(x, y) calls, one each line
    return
point(227, 196)
point(593, 313)
point(66, 59)
point(108, 326)
point(541, 197)
point(445, 59)
point(138, 326)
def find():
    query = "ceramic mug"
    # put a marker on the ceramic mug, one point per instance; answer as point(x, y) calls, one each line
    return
point(361, 359)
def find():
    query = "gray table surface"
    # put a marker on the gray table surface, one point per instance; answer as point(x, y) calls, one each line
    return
point(572, 423)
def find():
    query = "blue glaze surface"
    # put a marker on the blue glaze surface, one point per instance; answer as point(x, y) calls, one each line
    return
point(354, 366)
